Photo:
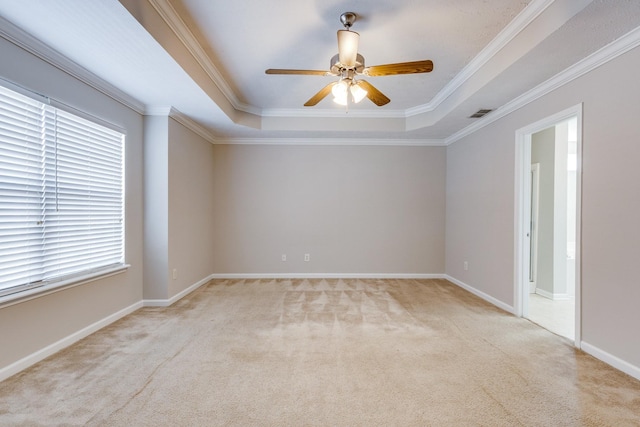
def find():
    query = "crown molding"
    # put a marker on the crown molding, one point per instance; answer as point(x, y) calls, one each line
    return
point(334, 113)
point(22, 39)
point(27, 42)
point(333, 141)
point(158, 111)
point(600, 57)
point(508, 33)
point(182, 31)
point(176, 115)
point(624, 44)
point(193, 126)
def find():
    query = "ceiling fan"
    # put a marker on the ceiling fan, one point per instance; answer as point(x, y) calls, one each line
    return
point(348, 64)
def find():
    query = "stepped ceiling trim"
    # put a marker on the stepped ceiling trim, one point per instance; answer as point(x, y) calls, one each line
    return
point(186, 36)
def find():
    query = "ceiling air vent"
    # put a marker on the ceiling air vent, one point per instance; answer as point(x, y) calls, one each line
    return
point(479, 114)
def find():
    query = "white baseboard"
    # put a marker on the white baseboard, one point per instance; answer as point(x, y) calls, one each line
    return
point(552, 296)
point(543, 293)
point(327, 276)
point(612, 360)
point(506, 307)
point(42, 354)
point(39, 355)
point(178, 296)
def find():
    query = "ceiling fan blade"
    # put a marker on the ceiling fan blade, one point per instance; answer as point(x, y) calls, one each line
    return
point(374, 94)
point(302, 72)
point(414, 67)
point(320, 95)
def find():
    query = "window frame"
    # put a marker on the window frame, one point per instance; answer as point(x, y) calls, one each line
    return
point(56, 284)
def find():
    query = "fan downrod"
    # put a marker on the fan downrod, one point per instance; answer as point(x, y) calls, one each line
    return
point(347, 19)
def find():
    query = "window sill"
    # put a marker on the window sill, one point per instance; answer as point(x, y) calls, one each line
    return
point(27, 295)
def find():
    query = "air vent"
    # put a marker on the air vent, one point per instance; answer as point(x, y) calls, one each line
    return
point(479, 113)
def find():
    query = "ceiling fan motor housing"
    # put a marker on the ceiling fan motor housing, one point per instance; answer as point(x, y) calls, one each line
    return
point(337, 68)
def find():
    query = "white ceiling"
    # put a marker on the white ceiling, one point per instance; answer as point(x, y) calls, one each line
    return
point(206, 58)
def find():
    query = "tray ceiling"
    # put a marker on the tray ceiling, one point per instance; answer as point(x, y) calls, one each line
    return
point(204, 60)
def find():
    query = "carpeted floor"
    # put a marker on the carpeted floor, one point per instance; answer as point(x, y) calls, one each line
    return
point(322, 353)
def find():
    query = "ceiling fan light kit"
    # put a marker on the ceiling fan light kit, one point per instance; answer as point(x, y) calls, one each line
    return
point(340, 92)
point(345, 87)
point(348, 64)
point(357, 92)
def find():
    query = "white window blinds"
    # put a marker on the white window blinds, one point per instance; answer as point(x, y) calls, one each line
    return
point(61, 194)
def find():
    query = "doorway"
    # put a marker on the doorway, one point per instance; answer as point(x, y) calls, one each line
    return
point(548, 155)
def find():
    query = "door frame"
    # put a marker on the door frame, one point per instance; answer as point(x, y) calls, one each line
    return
point(522, 220)
point(535, 201)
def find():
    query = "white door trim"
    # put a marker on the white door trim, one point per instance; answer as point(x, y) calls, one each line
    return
point(535, 200)
point(522, 211)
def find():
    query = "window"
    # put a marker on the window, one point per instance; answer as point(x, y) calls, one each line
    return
point(61, 195)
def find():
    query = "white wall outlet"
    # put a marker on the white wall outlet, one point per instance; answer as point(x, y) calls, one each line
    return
point(284, 257)
point(307, 257)
point(466, 265)
point(175, 273)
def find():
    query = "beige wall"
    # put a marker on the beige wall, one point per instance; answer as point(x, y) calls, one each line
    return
point(31, 326)
point(354, 209)
point(178, 209)
point(191, 202)
point(479, 226)
point(480, 203)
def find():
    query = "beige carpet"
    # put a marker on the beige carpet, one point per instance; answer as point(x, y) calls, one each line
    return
point(324, 353)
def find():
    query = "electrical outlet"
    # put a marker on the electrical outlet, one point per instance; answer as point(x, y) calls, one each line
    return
point(307, 257)
point(466, 265)
point(284, 257)
point(175, 273)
